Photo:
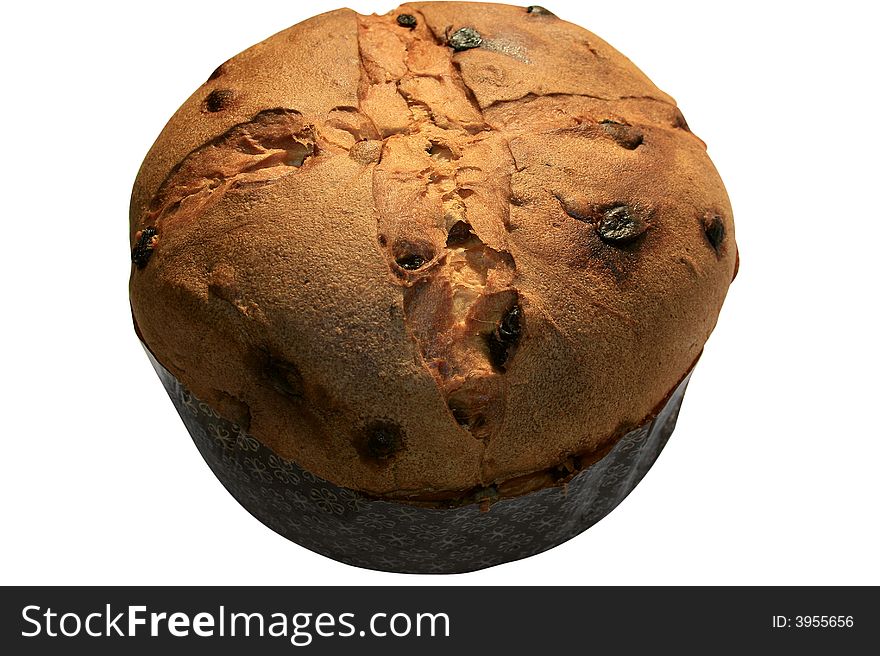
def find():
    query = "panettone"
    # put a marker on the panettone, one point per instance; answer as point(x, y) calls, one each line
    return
point(453, 248)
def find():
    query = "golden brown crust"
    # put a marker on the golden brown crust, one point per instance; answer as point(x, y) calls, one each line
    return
point(416, 266)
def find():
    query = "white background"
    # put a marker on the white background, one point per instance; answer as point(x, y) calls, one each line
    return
point(772, 474)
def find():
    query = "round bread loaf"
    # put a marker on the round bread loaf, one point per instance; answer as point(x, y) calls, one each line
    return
point(457, 246)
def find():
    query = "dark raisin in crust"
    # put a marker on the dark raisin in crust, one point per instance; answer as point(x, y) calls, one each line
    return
point(143, 249)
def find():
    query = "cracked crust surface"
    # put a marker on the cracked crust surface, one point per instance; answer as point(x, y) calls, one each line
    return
point(421, 267)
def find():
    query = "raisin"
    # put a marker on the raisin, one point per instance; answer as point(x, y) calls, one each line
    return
point(626, 136)
point(537, 10)
point(505, 337)
point(713, 228)
point(410, 254)
point(410, 262)
point(218, 100)
point(380, 440)
point(406, 20)
point(459, 234)
point(620, 224)
point(143, 249)
point(465, 39)
point(497, 350)
point(509, 329)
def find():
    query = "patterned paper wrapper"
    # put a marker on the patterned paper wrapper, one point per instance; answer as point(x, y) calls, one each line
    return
point(385, 535)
